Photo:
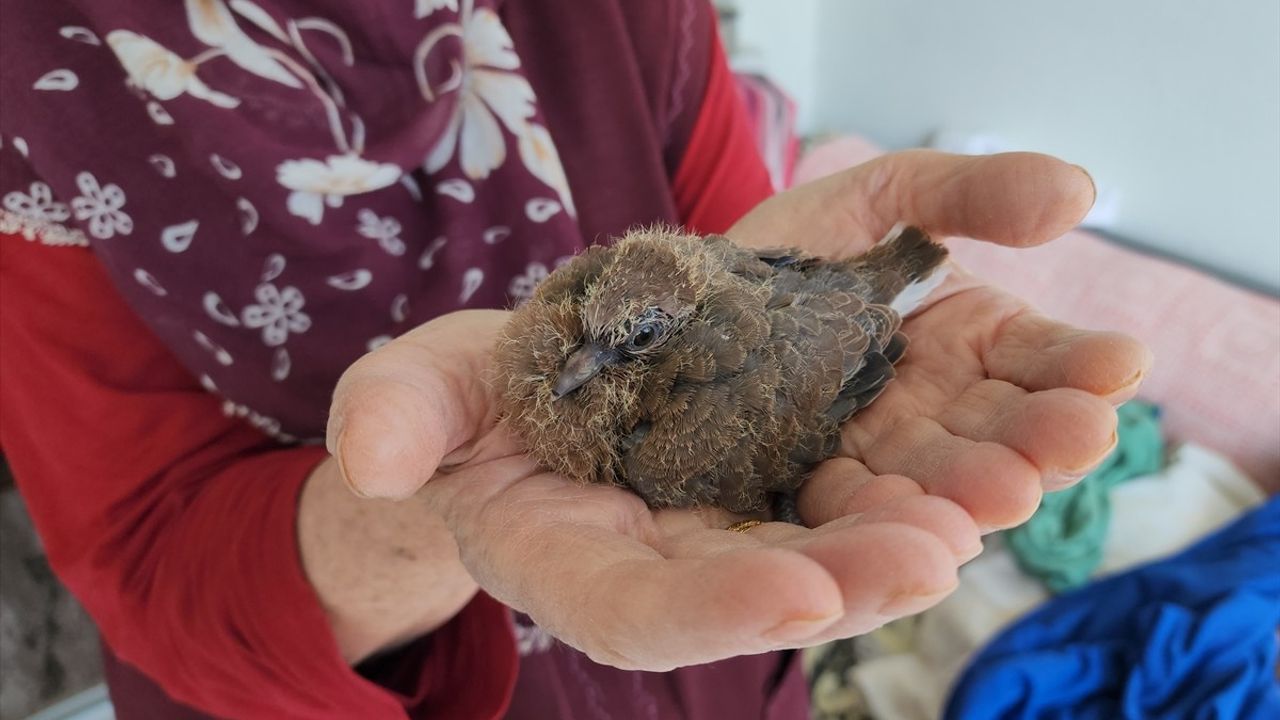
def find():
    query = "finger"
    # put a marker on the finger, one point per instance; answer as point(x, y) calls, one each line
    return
point(883, 570)
point(708, 542)
point(996, 485)
point(624, 605)
point(843, 486)
point(1039, 353)
point(677, 521)
point(581, 561)
point(1063, 432)
point(1017, 199)
point(896, 559)
point(935, 515)
point(398, 411)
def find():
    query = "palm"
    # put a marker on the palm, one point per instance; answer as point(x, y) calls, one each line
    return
point(962, 439)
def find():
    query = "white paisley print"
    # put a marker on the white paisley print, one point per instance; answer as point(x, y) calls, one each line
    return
point(492, 132)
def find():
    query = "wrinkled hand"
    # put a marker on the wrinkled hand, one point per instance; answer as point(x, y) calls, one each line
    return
point(993, 403)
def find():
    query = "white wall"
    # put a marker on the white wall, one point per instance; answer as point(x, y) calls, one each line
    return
point(780, 38)
point(1174, 106)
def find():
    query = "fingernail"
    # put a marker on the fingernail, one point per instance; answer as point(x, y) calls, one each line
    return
point(1092, 183)
point(906, 603)
point(799, 629)
point(1090, 467)
point(970, 553)
point(339, 451)
point(1132, 381)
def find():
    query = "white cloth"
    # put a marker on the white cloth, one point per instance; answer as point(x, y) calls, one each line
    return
point(1152, 517)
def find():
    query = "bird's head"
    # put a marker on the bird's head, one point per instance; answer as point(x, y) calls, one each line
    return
point(576, 356)
point(635, 306)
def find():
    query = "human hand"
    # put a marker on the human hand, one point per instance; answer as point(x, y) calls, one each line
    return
point(593, 565)
point(646, 590)
point(994, 403)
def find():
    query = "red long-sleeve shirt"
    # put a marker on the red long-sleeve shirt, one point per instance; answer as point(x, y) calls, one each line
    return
point(140, 486)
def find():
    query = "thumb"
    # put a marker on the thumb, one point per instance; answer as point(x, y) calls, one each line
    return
point(400, 410)
point(1017, 199)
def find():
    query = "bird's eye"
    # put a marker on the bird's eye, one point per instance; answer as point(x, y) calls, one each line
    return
point(642, 337)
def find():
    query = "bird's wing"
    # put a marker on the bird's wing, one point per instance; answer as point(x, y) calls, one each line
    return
point(706, 406)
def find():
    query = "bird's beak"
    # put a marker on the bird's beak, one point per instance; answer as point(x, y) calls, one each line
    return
point(582, 365)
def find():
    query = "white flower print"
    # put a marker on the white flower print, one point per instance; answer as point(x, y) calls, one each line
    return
point(278, 313)
point(101, 206)
point(214, 25)
point(47, 233)
point(256, 15)
point(386, 230)
point(267, 425)
point(489, 91)
point(316, 184)
point(161, 72)
point(11, 224)
point(539, 155)
point(423, 8)
point(37, 204)
point(522, 286)
point(531, 639)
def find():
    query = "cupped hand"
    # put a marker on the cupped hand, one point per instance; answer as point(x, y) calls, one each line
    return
point(993, 403)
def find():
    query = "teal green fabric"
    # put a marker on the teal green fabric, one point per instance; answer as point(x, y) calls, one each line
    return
point(1062, 543)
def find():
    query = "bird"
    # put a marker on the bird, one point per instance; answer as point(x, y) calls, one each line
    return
point(698, 373)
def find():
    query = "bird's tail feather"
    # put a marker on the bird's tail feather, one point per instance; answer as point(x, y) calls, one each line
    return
point(911, 264)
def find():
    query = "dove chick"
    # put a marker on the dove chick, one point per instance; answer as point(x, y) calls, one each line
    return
point(699, 373)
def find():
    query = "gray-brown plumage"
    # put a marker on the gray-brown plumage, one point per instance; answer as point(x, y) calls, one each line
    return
point(696, 372)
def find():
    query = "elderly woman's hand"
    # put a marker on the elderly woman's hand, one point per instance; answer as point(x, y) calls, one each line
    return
point(993, 403)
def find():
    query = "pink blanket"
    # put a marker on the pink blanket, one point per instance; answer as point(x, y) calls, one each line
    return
point(1217, 347)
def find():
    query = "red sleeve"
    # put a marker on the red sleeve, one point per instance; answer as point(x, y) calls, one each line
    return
point(175, 525)
point(721, 175)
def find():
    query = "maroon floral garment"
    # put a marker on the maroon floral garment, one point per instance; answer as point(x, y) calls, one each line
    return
point(277, 187)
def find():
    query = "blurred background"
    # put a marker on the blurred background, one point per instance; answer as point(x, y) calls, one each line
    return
point(1174, 108)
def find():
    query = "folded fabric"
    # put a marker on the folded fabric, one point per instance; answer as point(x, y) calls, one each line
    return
point(1193, 636)
point(1152, 517)
point(1062, 543)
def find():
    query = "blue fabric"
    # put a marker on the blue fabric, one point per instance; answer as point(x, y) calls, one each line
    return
point(1188, 638)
